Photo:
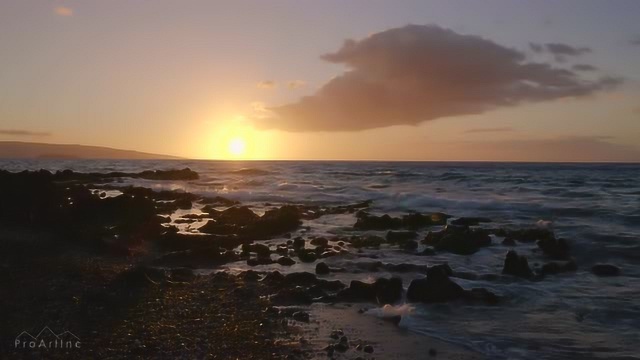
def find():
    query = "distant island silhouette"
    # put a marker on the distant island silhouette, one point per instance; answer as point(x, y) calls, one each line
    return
point(29, 150)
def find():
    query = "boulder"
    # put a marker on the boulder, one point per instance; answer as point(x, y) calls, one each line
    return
point(322, 269)
point(460, 240)
point(554, 248)
point(435, 287)
point(285, 261)
point(320, 242)
point(516, 265)
point(605, 270)
point(383, 291)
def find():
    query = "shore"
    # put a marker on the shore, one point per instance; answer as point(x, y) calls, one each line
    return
point(127, 271)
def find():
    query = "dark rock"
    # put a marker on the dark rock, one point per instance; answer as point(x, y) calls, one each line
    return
point(285, 261)
point(436, 287)
point(509, 241)
point(307, 256)
point(320, 241)
point(605, 270)
point(417, 220)
point(433, 352)
point(459, 240)
point(516, 265)
point(368, 349)
point(298, 243)
point(276, 221)
point(383, 291)
point(554, 248)
point(371, 222)
point(301, 316)
point(322, 268)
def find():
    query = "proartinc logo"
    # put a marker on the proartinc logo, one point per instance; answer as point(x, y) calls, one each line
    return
point(47, 340)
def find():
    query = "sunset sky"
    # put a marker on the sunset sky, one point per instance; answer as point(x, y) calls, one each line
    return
point(381, 80)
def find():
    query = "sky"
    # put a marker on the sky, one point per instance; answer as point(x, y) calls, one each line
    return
point(539, 80)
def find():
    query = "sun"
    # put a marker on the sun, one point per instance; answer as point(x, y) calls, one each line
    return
point(237, 146)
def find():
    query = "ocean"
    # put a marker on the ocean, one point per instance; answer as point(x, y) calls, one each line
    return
point(565, 316)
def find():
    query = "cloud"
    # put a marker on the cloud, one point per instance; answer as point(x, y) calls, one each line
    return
point(565, 50)
point(63, 11)
point(12, 132)
point(267, 84)
point(584, 67)
point(296, 84)
point(635, 41)
point(486, 130)
point(417, 73)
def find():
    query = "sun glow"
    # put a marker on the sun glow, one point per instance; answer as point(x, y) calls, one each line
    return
point(237, 146)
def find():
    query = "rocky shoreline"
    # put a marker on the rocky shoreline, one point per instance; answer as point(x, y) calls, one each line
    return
point(114, 263)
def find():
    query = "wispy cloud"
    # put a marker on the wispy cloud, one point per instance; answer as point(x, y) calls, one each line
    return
point(486, 130)
point(267, 84)
point(63, 11)
point(635, 41)
point(13, 132)
point(296, 84)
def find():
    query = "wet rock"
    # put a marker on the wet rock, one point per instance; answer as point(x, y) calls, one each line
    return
point(554, 248)
point(508, 241)
point(605, 270)
point(366, 221)
point(260, 249)
point(285, 261)
point(436, 287)
point(319, 241)
point(383, 291)
point(342, 345)
point(299, 243)
point(276, 221)
point(368, 349)
point(459, 240)
point(322, 269)
point(307, 256)
point(301, 316)
point(516, 265)
point(417, 220)
point(260, 261)
point(470, 221)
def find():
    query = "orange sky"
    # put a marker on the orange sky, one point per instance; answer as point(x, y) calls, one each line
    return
point(260, 80)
